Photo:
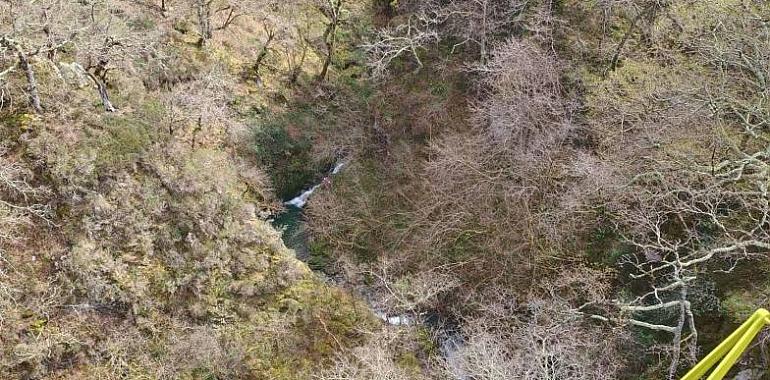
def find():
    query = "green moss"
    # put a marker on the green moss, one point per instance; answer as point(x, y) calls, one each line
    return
point(464, 246)
point(605, 246)
point(123, 143)
point(202, 374)
point(153, 111)
point(286, 159)
point(425, 341)
point(320, 256)
point(439, 89)
point(37, 326)
point(409, 362)
point(13, 125)
point(329, 317)
point(738, 305)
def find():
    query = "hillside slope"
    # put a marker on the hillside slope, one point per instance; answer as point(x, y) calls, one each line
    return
point(132, 244)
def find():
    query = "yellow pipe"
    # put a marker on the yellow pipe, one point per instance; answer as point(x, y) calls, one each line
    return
point(731, 348)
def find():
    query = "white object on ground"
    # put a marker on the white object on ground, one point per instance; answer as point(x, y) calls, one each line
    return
point(395, 320)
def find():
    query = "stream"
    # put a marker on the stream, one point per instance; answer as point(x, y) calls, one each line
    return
point(290, 220)
point(448, 335)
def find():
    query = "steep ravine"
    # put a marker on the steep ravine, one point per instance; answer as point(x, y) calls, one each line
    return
point(289, 222)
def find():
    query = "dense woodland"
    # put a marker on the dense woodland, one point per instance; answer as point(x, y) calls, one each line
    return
point(576, 189)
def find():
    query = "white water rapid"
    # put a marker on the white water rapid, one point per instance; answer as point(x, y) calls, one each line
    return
point(301, 200)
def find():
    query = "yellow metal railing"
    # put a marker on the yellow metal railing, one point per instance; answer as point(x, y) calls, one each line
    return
point(730, 349)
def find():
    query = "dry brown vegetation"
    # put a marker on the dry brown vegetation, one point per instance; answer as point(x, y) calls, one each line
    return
point(543, 189)
point(130, 241)
point(625, 137)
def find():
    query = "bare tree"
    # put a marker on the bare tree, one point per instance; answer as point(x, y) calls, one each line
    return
point(480, 22)
point(476, 22)
point(644, 11)
point(216, 15)
point(412, 292)
point(270, 33)
point(693, 213)
point(522, 104)
point(376, 360)
point(26, 66)
point(32, 29)
point(199, 108)
point(385, 8)
point(101, 39)
point(205, 10)
point(295, 51)
point(332, 12)
point(277, 24)
point(544, 337)
point(395, 41)
point(686, 227)
point(110, 44)
point(20, 204)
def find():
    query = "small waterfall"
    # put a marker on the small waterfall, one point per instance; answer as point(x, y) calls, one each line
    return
point(301, 200)
point(338, 167)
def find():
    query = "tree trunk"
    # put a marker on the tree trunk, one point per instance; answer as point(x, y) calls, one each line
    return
point(329, 42)
point(105, 97)
point(483, 42)
point(296, 70)
point(384, 7)
point(263, 53)
point(616, 57)
point(34, 96)
point(204, 21)
point(327, 63)
point(101, 88)
point(29, 72)
point(332, 13)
